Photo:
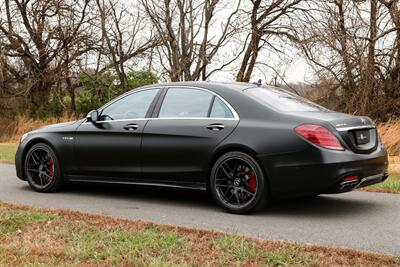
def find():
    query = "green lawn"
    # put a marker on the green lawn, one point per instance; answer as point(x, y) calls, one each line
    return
point(392, 184)
point(7, 152)
point(39, 237)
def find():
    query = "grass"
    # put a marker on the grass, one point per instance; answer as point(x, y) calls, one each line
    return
point(11, 221)
point(391, 185)
point(7, 152)
point(40, 237)
point(239, 249)
point(117, 244)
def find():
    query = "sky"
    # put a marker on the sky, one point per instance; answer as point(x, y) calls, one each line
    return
point(299, 71)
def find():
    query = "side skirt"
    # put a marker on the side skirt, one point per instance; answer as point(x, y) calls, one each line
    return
point(190, 186)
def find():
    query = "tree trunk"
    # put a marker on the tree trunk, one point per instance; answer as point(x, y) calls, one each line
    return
point(39, 98)
point(350, 84)
point(370, 70)
point(71, 92)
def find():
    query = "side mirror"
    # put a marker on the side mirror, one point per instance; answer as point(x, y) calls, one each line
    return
point(92, 116)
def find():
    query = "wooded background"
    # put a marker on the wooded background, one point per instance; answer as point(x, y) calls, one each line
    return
point(71, 56)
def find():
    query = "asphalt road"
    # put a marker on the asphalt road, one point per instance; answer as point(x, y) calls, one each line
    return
point(360, 220)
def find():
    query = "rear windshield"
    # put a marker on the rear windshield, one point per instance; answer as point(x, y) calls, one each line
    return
point(282, 100)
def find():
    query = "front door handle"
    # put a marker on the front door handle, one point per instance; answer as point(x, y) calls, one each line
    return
point(216, 126)
point(131, 127)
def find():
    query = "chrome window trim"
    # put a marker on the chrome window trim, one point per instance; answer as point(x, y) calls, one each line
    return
point(97, 122)
point(193, 118)
point(234, 113)
point(168, 118)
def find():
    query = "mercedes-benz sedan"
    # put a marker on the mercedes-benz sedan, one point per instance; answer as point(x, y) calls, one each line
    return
point(245, 143)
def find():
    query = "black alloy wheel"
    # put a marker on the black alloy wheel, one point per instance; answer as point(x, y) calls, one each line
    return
point(42, 169)
point(237, 183)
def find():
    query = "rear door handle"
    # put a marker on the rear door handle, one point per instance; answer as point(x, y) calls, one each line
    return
point(131, 127)
point(216, 126)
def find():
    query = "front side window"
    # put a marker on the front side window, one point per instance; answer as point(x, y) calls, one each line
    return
point(282, 99)
point(185, 103)
point(133, 106)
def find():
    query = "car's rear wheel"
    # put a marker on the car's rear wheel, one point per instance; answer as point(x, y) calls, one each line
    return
point(237, 183)
point(42, 169)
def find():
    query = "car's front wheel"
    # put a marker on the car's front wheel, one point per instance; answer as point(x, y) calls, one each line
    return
point(237, 183)
point(42, 169)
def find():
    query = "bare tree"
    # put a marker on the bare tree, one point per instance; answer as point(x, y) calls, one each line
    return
point(268, 20)
point(188, 45)
point(355, 45)
point(125, 35)
point(34, 38)
point(390, 70)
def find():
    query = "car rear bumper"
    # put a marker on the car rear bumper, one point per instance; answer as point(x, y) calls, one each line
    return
point(318, 171)
point(346, 186)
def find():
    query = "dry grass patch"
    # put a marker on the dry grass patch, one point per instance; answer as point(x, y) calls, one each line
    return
point(394, 164)
point(390, 136)
point(31, 236)
point(11, 130)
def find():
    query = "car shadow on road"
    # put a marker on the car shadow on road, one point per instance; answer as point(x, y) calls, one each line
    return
point(177, 197)
point(320, 206)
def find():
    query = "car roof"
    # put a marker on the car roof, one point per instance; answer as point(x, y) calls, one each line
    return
point(211, 85)
point(232, 92)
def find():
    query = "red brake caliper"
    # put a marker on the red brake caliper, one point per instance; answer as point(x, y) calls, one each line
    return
point(51, 167)
point(251, 181)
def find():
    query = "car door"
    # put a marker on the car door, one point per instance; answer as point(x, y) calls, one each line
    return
point(187, 126)
point(110, 148)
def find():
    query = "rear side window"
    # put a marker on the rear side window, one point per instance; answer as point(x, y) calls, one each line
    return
point(220, 109)
point(282, 100)
point(182, 102)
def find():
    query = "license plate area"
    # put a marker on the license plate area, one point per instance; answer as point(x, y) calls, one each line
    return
point(361, 140)
point(361, 137)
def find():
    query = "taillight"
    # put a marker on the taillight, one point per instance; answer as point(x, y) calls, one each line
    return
point(350, 178)
point(319, 135)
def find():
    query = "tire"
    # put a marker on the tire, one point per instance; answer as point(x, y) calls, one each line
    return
point(235, 183)
point(42, 169)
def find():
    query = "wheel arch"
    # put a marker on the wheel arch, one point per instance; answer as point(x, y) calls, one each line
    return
point(230, 148)
point(30, 144)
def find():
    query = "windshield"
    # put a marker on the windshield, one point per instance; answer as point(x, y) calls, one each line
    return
point(282, 100)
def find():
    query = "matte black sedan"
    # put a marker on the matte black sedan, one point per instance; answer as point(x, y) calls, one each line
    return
point(245, 143)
